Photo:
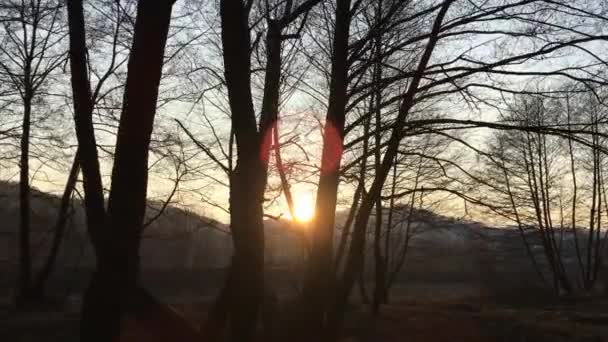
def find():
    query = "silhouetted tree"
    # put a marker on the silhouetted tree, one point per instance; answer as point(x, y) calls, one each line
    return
point(116, 233)
point(253, 144)
point(31, 54)
point(527, 169)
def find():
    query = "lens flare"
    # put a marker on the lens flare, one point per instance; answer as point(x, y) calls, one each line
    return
point(304, 207)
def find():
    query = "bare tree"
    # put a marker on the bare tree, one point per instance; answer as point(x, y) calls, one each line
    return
point(536, 186)
point(31, 56)
point(116, 233)
point(253, 143)
point(461, 74)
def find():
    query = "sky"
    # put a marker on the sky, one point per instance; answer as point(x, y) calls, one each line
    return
point(205, 191)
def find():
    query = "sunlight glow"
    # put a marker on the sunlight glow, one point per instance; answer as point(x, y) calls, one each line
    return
point(304, 209)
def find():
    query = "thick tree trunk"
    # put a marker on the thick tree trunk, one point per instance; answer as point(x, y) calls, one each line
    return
point(320, 278)
point(272, 83)
point(59, 230)
point(83, 117)
point(248, 180)
point(95, 307)
point(115, 281)
point(247, 285)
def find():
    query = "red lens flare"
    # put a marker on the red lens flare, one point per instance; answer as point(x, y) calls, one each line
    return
point(332, 148)
point(266, 144)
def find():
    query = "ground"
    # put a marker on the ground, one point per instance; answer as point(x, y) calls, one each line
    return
point(446, 321)
point(407, 319)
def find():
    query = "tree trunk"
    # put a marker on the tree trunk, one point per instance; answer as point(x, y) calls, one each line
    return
point(389, 251)
point(355, 256)
point(83, 117)
point(246, 222)
point(376, 99)
point(248, 180)
point(115, 281)
point(25, 262)
point(379, 263)
point(344, 234)
point(319, 278)
point(62, 217)
point(356, 198)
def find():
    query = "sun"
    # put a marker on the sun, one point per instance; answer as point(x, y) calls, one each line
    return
point(304, 209)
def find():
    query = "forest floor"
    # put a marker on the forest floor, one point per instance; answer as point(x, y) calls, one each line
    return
point(447, 321)
point(412, 320)
point(425, 313)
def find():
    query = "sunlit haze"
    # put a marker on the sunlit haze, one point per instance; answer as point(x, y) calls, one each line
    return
point(304, 170)
point(304, 209)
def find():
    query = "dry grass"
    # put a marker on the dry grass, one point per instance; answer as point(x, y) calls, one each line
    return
point(422, 320)
point(447, 321)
